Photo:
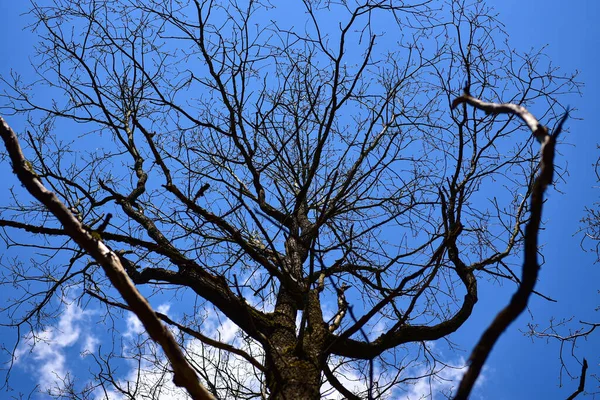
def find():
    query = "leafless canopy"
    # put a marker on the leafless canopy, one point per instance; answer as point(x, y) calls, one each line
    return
point(297, 171)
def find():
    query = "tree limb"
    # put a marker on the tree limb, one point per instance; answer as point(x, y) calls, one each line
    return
point(531, 267)
point(183, 373)
point(333, 380)
point(581, 387)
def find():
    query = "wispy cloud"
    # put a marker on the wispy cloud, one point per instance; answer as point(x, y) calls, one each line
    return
point(349, 379)
point(90, 344)
point(48, 347)
point(425, 379)
point(439, 382)
point(150, 376)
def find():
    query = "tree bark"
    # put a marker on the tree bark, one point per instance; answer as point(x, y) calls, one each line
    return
point(295, 359)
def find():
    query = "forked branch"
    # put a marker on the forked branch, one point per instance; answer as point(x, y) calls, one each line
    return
point(183, 374)
point(531, 267)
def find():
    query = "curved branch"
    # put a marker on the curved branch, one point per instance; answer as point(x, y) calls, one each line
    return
point(531, 267)
point(344, 346)
point(337, 385)
point(347, 347)
point(538, 130)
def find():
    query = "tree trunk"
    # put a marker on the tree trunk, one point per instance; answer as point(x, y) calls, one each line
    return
point(294, 361)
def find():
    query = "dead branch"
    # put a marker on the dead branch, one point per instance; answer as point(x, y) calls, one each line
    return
point(342, 308)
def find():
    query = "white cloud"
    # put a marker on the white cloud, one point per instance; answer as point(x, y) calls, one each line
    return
point(228, 331)
point(90, 345)
point(134, 326)
point(152, 378)
point(153, 381)
point(426, 381)
point(430, 387)
point(444, 380)
point(349, 379)
point(164, 308)
point(48, 347)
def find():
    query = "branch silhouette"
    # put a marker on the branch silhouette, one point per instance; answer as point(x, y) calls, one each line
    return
point(531, 267)
point(183, 374)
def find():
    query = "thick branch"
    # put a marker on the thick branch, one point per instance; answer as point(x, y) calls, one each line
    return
point(333, 380)
point(344, 346)
point(538, 130)
point(213, 289)
point(581, 387)
point(184, 374)
point(342, 309)
point(347, 347)
point(531, 267)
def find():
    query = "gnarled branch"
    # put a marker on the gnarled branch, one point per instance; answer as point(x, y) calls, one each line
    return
point(531, 267)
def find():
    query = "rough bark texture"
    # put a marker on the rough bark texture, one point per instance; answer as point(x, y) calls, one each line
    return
point(294, 363)
point(294, 358)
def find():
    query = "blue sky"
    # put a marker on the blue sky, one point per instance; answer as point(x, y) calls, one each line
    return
point(518, 368)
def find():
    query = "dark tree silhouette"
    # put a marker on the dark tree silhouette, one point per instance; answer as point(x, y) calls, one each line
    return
point(298, 171)
point(531, 265)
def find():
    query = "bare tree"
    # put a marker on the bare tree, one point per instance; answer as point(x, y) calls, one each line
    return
point(297, 171)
